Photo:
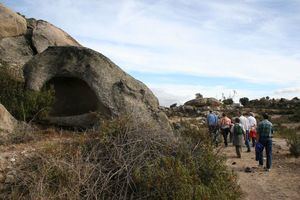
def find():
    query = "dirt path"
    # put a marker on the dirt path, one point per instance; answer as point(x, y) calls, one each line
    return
point(282, 182)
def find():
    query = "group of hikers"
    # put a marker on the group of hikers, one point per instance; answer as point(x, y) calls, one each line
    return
point(241, 130)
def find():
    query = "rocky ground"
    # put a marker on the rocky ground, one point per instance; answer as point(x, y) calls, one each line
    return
point(282, 182)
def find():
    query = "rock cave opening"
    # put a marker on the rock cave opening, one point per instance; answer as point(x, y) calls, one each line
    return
point(73, 96)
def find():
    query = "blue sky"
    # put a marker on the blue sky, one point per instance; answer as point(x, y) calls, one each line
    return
point(182, 47)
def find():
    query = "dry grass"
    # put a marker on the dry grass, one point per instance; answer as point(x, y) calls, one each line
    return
point(125, 161)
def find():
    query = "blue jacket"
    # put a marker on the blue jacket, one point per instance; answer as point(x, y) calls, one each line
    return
point(212, 119)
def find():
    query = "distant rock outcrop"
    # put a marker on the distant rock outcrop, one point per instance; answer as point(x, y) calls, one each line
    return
point(201, 102)
point(86, 82)
point(11, 24)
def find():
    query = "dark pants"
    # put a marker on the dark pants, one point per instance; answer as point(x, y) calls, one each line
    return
point(253, 141)
point(225, 132)
point(247, 141)
point(267, 143)
point(213, 130)
point(238, 150)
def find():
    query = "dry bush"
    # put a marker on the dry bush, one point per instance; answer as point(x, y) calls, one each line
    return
point(125, 161)
point(293, 140)
point(292, 137)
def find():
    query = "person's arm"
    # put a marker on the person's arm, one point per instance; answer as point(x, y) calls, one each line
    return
point(257, 133)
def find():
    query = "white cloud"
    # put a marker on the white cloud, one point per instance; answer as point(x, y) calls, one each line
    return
point(235, 39)
point(288, 91)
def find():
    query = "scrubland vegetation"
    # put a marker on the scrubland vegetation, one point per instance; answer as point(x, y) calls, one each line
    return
point(125, 162)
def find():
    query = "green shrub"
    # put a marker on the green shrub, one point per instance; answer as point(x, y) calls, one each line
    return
point(296, 114)
point(292, 138)
point(293, 141)
point(228, 101)
point(244, 101)
point(21, 103)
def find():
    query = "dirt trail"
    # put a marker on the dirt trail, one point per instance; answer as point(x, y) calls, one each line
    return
point(282, 182)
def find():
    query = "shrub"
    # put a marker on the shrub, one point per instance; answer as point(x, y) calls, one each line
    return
point(293, 141)
point(296, 115)
point(244, 101)
point(292, 138)
point(125, 161)
point(228, 101)
point(21, 103)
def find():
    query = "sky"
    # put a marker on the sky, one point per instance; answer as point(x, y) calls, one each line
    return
point(182, 47)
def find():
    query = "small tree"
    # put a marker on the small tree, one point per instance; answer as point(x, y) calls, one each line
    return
point(199, 96)
point(244, 101)
point(228, 101)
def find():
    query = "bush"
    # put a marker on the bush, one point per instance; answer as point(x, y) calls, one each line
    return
point(244, 101)
point(228, 101)
point(21, 103)
point(292, 138)
point(124, 161)
point(296, 115)
point(293, 141)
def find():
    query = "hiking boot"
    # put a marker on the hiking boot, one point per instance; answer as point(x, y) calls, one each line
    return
point(267, 169)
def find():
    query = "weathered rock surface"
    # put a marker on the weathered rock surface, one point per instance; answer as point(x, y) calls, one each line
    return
point(21, 39)
point(201, 102)
point(15, 51)
point(11, 24)
point(45, 34)
point(86, 81)
point(7, 122)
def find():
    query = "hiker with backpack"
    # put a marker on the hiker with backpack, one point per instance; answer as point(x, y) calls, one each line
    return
point(225, 124)
point(238, 134)
point(212, 122)
point(264, 138)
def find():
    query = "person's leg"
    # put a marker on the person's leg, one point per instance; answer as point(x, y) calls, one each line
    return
point(238, 151)
point(230, 136)
point(260, 154)
point(226, 136)
point(216, 134)
point(253, 141)
point(211, 133)
point(269, 153)
point(247, 142)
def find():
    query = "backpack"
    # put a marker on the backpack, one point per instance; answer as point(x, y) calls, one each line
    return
point(238, 129)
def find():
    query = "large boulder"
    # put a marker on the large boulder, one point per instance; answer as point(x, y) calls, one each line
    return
point(15, 52)
point(45, 34)
point(85, 83)
point(7, 122)
point(202, 102)
point(21, 39)
point(11, 24)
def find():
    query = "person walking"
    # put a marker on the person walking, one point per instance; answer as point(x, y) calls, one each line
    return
point(212, 122)
point(264, 137)
point(252, 126)
point(238, 134)
point(245, 123)
point(225, 124)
